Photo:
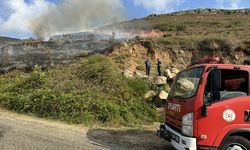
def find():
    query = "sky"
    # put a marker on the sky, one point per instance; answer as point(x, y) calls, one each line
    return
point(17, 15)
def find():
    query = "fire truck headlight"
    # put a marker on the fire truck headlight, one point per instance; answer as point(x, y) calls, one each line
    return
point(187, 124)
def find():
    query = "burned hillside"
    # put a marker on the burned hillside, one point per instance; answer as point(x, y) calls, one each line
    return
point(61, 49)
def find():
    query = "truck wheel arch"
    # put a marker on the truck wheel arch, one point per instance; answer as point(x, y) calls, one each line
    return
point(244, 132)
point(234, 142)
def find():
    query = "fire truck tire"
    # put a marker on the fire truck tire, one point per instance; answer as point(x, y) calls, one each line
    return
point(235, 143)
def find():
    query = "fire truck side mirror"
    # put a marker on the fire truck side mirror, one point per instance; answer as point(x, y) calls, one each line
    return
point(204, 110)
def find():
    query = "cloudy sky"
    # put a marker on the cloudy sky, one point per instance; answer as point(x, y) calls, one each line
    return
point(17, 17)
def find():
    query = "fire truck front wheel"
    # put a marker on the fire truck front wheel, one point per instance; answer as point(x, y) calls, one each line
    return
point(235, 143)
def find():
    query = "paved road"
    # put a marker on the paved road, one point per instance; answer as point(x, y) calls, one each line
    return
point(20, 132)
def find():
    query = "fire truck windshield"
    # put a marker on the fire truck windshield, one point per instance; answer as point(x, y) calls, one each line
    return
point(186, 83)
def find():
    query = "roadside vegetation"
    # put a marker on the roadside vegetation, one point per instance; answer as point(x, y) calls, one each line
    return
point(91, 92)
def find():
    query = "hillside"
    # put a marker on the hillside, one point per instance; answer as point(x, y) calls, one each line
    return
point(199, 31)
point(193, 24)
point(60, 49)
point(92, 89)
point(187, 37)
point(4, 40)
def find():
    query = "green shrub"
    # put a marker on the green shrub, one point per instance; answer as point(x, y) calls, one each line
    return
point(137, 86)
point(98, 70)
point(217, 44)
point(237, 23)
point(181, 27)
point(92, 92)
point(165, 28)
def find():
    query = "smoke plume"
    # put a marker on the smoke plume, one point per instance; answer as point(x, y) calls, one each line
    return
point(77, 15)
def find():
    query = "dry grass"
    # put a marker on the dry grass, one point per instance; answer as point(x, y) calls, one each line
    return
point(186, 27)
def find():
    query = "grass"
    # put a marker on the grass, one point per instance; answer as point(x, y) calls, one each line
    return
point(92, 92)
point(192, 26)
point(202, 43)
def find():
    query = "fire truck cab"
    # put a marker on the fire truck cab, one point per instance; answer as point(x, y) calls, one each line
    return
point(208, 107)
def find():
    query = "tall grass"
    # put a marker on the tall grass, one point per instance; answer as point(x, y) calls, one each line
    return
point(202, 43)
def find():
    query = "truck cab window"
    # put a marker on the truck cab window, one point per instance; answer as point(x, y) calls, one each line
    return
point(234, 83)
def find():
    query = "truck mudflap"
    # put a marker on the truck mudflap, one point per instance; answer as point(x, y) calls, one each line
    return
point(177, 140)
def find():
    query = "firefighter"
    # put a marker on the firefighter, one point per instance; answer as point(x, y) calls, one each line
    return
point(159, 66)
point(148, 66)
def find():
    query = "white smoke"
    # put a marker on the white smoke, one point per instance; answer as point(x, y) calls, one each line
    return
point(18, 14)
point(77, 15)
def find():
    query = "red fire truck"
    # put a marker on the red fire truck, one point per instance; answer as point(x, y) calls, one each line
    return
point(208, 107)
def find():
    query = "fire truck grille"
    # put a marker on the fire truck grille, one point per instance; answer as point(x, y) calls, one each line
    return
point(174, 128)
point(173, 121)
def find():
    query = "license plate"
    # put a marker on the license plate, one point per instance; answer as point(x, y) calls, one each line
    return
point(174, 137)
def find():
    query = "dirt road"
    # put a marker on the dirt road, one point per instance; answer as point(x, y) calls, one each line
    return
point(20, 132)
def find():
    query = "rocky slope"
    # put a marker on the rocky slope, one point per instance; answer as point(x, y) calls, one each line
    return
point(131, 55)
point(187, 37)
point(195, 21)
point(211, 11)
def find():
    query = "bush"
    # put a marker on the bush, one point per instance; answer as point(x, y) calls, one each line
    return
point(92, 92)
point(237, 23)
point(181, 28)
point(217, 44)
point(99, 70)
